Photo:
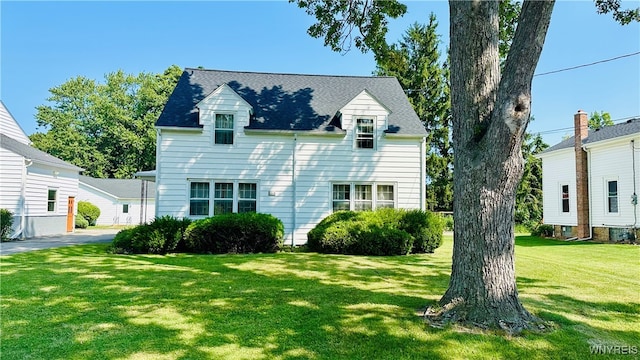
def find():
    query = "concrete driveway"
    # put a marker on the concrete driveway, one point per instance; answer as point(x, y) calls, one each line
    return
point(80, 236)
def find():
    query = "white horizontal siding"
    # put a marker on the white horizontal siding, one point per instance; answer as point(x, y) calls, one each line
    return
point(11, 167)
point(559, 168)
point(9, 126)
point(111, 207)
point(613, 162)
point(39, 180)
point(268, 160)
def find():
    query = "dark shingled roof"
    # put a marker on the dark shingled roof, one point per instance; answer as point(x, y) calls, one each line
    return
point(629, 127)
point(290, 101)
point(120, 188)
point(34, 154)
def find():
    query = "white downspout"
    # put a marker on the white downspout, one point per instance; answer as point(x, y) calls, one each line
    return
point(590, 184)
point(634, 197)
point(158, 161)
point(423, 173)
point(23, 199)
point(293, 189)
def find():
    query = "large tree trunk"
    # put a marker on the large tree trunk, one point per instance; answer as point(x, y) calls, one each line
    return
point(490, 114)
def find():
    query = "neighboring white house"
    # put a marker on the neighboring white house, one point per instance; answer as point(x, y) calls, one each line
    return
point(295, 146)
point(121, 201)
point(39, 189)
point(590, 186)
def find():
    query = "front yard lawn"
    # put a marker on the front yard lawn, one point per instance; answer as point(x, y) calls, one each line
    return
point(83, 303)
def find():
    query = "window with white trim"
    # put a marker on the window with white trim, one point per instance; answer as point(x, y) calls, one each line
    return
point(199, 199)
point(226, 197)
point(386, 196)
point(364, 133)
point(366, 196)
point(223, 198)
point(247, 197)
point(125, 208)
point(565, 198)
point(52, 196)
point(223, 129)
point(341, 197)
point(612, 196)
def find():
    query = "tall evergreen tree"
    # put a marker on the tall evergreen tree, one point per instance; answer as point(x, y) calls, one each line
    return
point(415, 62)
point(529, 194)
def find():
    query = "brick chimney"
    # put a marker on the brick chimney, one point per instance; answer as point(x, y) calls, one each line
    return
point(581, 123)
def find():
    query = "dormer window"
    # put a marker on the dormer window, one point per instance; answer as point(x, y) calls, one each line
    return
point(364, 133)
point(223, 129)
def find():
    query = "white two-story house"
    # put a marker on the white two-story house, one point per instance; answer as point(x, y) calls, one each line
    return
point(591, 181)
point(295, 146)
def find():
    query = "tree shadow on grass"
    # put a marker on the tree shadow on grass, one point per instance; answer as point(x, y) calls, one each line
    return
point(81, 303)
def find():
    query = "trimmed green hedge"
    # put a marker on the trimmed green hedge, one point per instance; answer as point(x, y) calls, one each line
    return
point(163, 235)
point(235, 233)
point(381, 232)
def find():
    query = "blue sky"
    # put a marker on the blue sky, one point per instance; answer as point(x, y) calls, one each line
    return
point(44, 44)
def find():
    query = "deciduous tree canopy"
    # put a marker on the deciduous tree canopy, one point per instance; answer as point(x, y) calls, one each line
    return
point(106, 128)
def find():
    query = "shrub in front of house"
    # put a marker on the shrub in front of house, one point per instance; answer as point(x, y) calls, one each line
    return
point(380, 232)
point(426, 229)
point(6, 224)
point(543, 230)
point(81, 222)
point(88, 211)
point(235, 233)
point(163, 235)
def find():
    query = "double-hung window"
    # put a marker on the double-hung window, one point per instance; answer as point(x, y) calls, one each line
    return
point(199, 199)
point(565, 198)
point(612, 196)
point(364, 133)
point(223, 198)
point(226, 197)
point(223, 129)
point(366, 196)
point(52, 196)
point(341, 197)
point(247, 197)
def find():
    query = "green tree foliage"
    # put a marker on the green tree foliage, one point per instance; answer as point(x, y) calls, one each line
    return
point(346, 22)
point(529, 194)
point(623, 16)
point(88, 211)
point(105, 128)
point(598, 120)
point(415, 62)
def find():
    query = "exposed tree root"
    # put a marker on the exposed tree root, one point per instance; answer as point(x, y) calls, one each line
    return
point(455, 314)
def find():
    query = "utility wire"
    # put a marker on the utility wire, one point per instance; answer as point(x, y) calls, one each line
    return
point(590, 64)
point(560, 70)
point(551, 131)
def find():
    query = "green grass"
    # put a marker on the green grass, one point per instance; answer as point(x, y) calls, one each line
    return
point(83, 303)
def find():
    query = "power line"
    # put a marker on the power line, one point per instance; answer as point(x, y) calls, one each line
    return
point(560, 70)
point(552, 131)
point(589, 64)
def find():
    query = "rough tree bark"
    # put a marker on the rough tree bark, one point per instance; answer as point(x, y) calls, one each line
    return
point(490, 114)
